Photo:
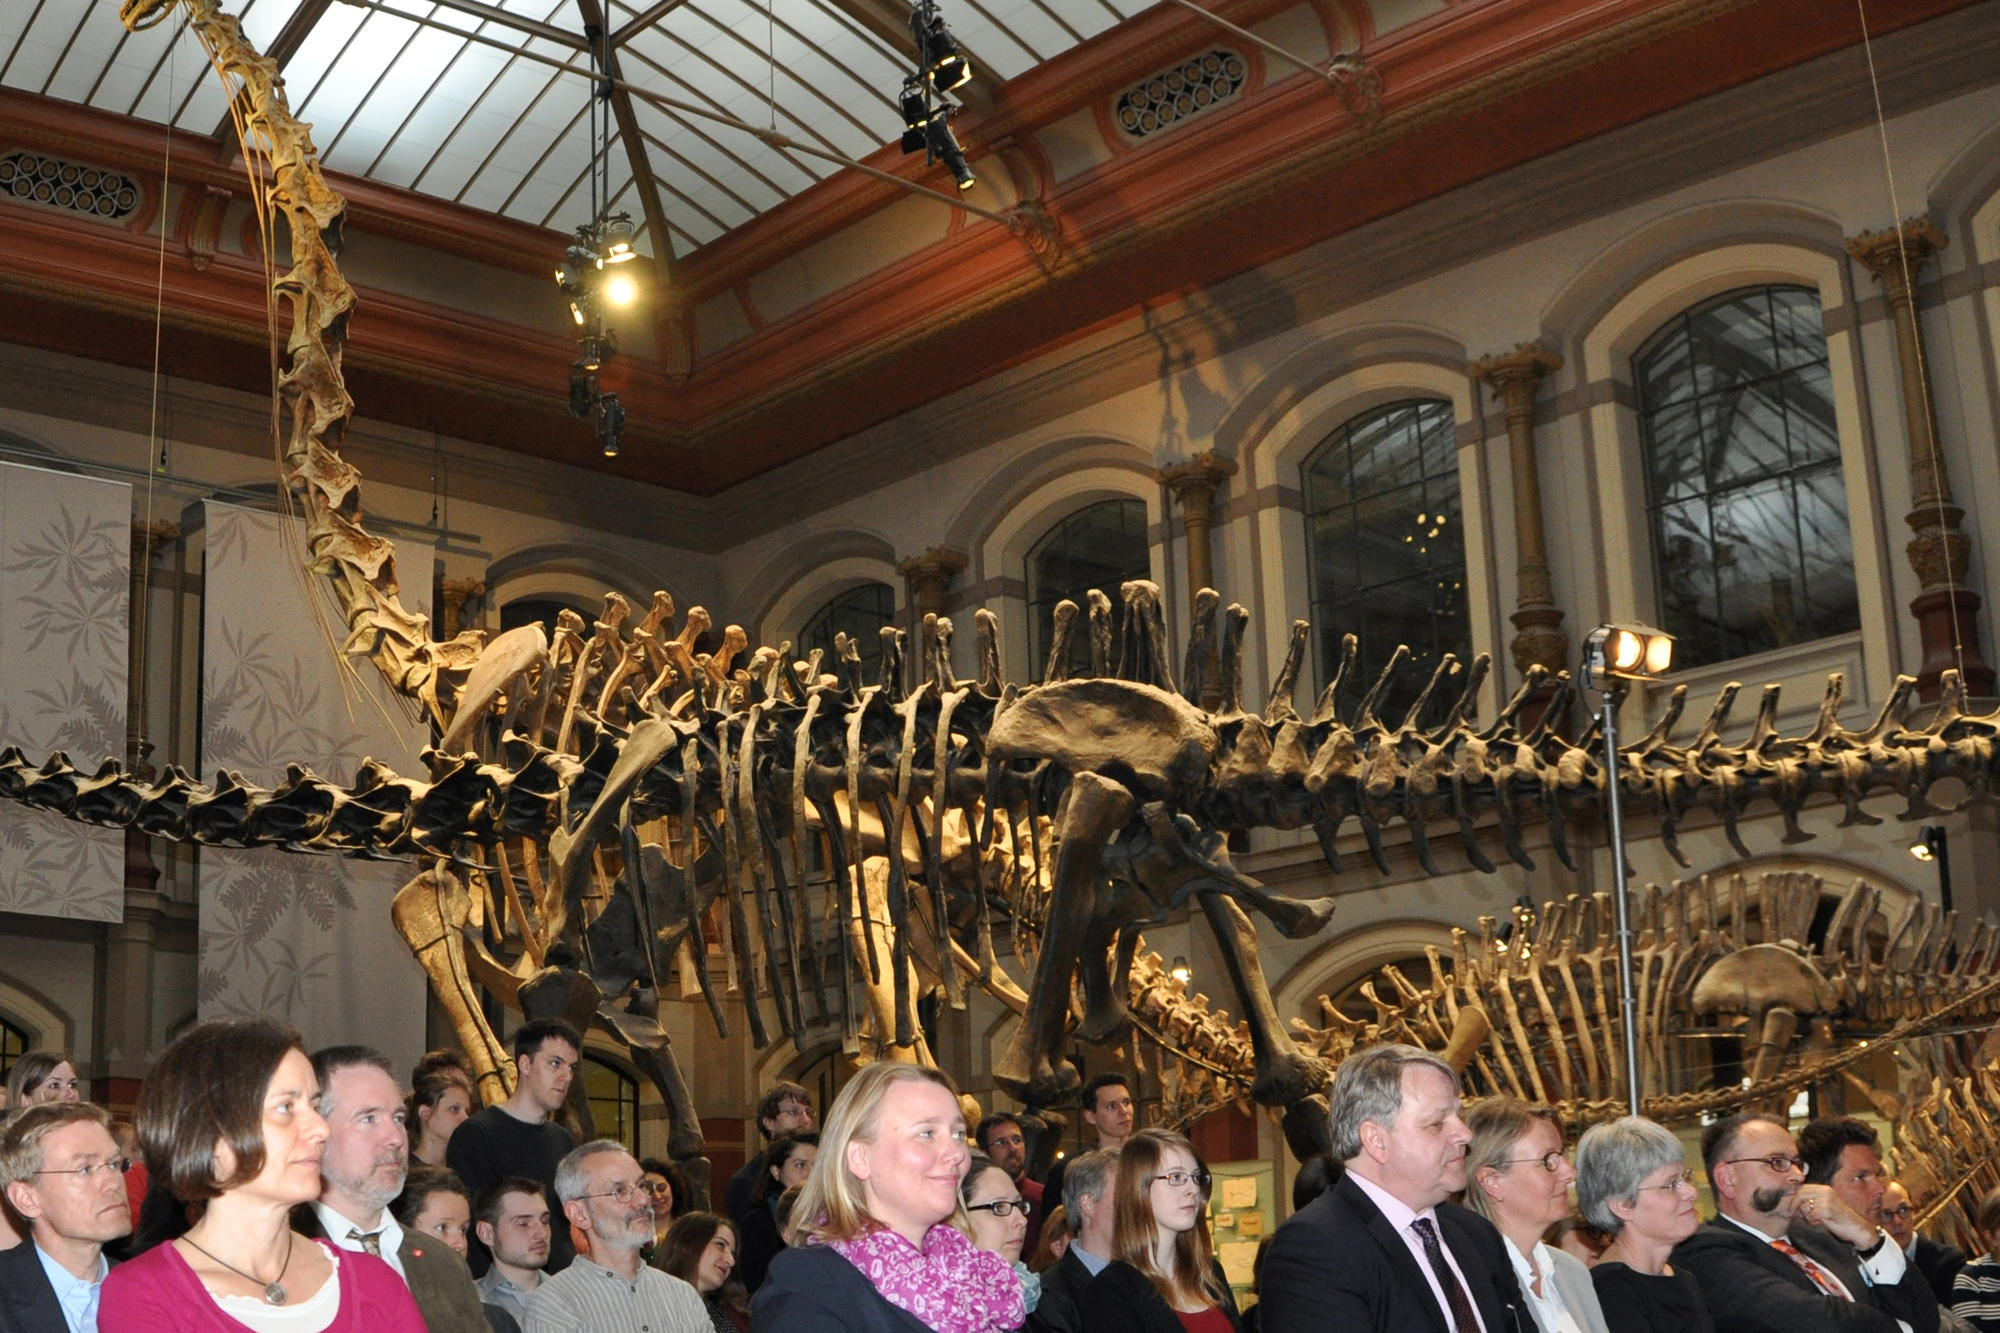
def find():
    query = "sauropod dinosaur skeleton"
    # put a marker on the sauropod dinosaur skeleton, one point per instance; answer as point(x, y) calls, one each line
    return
point(600, 793)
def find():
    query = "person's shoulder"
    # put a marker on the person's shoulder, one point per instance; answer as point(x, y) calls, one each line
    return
point(1711, 1238)
point(671, 1288)
point(157, 1266)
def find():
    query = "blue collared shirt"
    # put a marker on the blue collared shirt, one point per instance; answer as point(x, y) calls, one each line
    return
point(77, 1296)
point(1087, 1259)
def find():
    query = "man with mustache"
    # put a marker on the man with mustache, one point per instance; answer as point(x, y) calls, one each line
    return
point(1784, 1256)
point(367, 1157)
point(609, 1288)
point(63, 1173)
point(1382, 1252)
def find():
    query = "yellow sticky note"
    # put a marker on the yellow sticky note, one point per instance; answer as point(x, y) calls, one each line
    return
point(1239, 1261)
point(1239, 1192)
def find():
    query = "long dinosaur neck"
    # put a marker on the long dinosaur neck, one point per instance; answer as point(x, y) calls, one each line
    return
point(360, 566)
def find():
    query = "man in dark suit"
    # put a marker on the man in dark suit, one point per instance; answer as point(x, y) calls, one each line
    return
point(367, 1158)
point(1382, 1250)
point(1937, 1262)
point(1090, 1202)
point(62, 1172)
point(1784, 1256)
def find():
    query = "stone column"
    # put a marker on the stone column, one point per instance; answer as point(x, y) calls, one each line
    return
point(456, 593)
point(1194, 483)
point(929, 576)
point(1539, 639)
point(1945, 608)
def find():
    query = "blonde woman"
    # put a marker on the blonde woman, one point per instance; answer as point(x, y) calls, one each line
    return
point(1164, 1278)
point(1518, 1178)
point(876, 1217)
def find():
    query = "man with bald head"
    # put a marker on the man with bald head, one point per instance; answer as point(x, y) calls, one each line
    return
point(1786, 1256)
point(1382, 1252)
point(1938, 1263)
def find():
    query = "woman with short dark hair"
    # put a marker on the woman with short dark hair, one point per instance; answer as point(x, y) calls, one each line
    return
point(788, 1162)
point(228, 1122)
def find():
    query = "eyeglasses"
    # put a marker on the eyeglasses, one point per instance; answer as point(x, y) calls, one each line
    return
point(1176, 1179)
point(117, 1166)
point(656, 1187)
point(1777, 1161)
point(1900, 1210)
point(1002, 1207)
point(1550, 1162)
point(623, 1191)
point(1682, 1180)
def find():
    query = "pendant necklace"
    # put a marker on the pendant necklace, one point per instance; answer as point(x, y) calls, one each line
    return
point(274, 1290)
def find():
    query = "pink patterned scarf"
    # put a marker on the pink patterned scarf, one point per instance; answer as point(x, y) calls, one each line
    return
point(949, 1284)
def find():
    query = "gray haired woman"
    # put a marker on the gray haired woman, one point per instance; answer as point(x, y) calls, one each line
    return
point(1633, 1183)
point(1518, 1178)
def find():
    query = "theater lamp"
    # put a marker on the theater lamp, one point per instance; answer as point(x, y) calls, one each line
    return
point(1613, 657)
point(943, 66)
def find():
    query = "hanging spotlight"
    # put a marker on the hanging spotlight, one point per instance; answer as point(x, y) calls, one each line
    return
point(617, 239)
point(609, 419)
point(943, 146)
point(917, 113)
point(943, 66)
point(620, 289)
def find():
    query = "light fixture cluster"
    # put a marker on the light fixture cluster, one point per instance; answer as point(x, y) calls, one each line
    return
point(593, 280)
point(927, 109)
point(1616, 653)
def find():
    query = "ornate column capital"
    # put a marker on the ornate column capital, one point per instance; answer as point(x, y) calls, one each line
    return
point(1897, 255)
point(1195, 482)
point(1517, 374)
point(930, 574)
point(457, 592)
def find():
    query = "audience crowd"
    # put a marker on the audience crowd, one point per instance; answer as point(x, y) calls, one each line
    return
point(266, 1188)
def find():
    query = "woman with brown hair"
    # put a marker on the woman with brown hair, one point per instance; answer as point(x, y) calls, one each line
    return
point(879, 1249)
point(229, 1124)
point(439, 1103)
point(1164, 1278)
point(700, 1250)
point(42, 1076)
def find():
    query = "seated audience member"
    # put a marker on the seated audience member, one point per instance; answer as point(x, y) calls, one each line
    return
point(1938, 1263)
point(1001, 1138)
point(1382, 1250)
point(1054, 1242)
point(1164, 1278)
point(700, 1250)
point(785, 1108)
point(1783, 1254)
point(434, 1203)
point(610, 1288)
point(1633, 1184)
point(667, 1191)
point(1578, 1239)
point(63, 1173)
point(518, 1137)
point(42, 1076)
point(439, 1102)
point(511, 1219)
point(790, 1162)
point(1090, 1198)
point(1975, 1293)
point(996, 1219)
point(229, 1121)
point(1518, 1178)
point(876, 1216)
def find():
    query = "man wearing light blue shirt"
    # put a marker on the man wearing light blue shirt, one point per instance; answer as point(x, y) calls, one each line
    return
point(62, 1171)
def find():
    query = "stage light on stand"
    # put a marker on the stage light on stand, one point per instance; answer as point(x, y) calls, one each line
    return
point(1613, 657)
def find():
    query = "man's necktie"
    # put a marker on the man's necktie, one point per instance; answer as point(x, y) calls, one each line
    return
point(1463, 1320)
point(1822, 1279)
point(371, 1241)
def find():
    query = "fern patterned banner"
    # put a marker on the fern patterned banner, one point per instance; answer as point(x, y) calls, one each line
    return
point(305, 940)
point(65, 561)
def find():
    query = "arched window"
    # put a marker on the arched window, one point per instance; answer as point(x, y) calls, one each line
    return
point(541, 611)
point(1102, 547)
point(13, 1045)
point(614, 1101)
point(859, 613)
point(1386, 538)
point(1744, 494)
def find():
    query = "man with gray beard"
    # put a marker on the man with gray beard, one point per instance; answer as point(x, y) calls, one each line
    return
point(609, 1288)
point(367, 1157)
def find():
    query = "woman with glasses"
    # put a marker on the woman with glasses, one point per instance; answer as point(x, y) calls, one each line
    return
point(1518, 1178)
point(1633, 1183)
point(1164, 1278)
point(996, 1219)
point(789, 1162)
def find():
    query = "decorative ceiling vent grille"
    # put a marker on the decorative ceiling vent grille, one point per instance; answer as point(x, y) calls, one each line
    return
point(37, 178)
point(1180, 92)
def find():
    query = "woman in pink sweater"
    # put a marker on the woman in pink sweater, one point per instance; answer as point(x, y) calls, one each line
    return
point(229, 1124)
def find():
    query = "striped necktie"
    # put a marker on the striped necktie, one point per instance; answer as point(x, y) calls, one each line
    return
point(371, 1241)
point(1822, 1279)
point(1463, 1319)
